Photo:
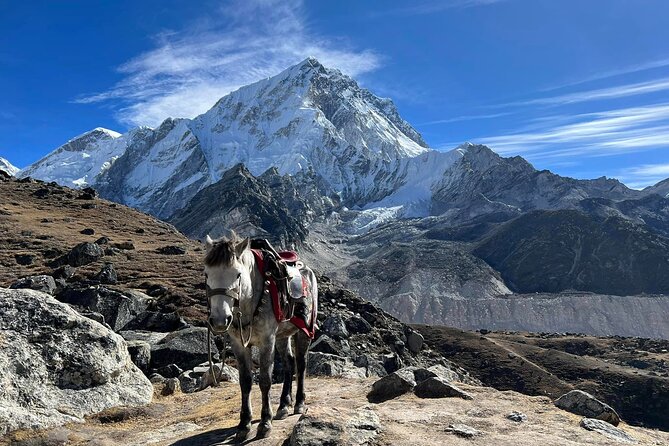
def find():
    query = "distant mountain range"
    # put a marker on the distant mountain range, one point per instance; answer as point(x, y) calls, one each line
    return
point(6, 166)
point(308, 157)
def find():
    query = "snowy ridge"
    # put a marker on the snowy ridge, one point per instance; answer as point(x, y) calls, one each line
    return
point(8, 167)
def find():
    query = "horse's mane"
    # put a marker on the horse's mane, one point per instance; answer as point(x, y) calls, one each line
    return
point(222, 251)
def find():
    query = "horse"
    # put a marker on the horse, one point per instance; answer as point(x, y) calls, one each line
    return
point(239, 305)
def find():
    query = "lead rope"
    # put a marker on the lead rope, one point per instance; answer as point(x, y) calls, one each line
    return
point(211, 363)
point(241, 330)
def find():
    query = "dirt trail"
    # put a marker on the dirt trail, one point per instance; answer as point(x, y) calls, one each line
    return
point(209, 418)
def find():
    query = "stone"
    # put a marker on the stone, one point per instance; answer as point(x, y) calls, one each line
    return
point(462, 430)
point(517, 417)
point(102, 241)
point(335, 327)
point(189, 382)
point(392, 362)
point(222, 372)
point(58, 367)
point(373, 366)
point(118, 308)
point(325, 344)
point(171, 250)
point(445, 373)
point(87, 193)
point(43, 283)
point(607, 430)
point(170, 371)
point(172, 386)
point(186, 348)
point(84, 253)
point(140, 353)
point(439, 388)
point(324, 364)
point(157, 321)
point(127, 246)
point(87, 231)
point(415, 342)
point(391, 386)
point(24, 259)
point(64, 272)
point(582, 403)
point(336, 426)
point(107, 275)
point(358, 325)
point(157, 378)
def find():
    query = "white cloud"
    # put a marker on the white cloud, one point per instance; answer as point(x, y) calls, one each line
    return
point(429, 7)
point(191, 69)
point(644, 175)
point(597, 134)
point(465, 118)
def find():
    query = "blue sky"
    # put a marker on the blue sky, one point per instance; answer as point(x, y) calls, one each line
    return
point(577, 87)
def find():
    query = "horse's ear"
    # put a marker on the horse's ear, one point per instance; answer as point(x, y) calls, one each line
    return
point(208, 242)
point(243, 246)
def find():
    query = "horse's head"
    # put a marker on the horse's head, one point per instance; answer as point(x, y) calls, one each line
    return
point(228, 279)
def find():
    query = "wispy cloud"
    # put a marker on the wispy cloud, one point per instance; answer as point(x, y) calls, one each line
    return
point(644, 175)
point(465, 118)
point(597, 134)
point(429, 7)
point(189, 70)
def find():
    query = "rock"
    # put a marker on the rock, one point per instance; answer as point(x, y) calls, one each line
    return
point(87, 193)
point(43, 283)
point(187, 348)
point(107, 275)
point(325, 344)
point(391, 386)
point(24, 259)
point(223, 373)
point(117, 308)
point(358, 325)
point(170, 371)
point(392, 362)
point(373, 366)
point(462, 430)
point(336, 426)
point(445, 373)
point(172, 386)
point(439, 388)
point(87, 231)
point(607, 430)
point(140, 353)
point(157, 378)
point(415, 342)
point(157, 321)
point(335, 327)
point(171, 250)
point(517, 417)
point(128, 246)
point(57, 366)
point(84, 253)
point(324, 364)
point(64, 272)
point(102, 241)
point(582, 403)
point(189, 382)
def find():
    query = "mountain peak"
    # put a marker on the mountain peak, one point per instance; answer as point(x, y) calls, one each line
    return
point(8, 167)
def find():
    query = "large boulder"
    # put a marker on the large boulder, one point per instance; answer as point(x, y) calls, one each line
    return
point(582, 403)
point(43, 283)
point(57, 366)
point(439, 388)
point(606, 429)
point(186, 348)
point(327, 426)
point(325, 364)
point(395, 384)
point(84, 253)
point(118, 308)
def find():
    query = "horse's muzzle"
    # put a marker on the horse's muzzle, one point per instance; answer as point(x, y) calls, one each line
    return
point(217, 327)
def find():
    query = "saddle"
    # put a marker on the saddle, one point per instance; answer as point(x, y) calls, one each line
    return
point(284, 268)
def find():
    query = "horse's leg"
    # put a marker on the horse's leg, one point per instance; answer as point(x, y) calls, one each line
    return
point(302, 343)
point(245, 367)
point(265, 378)
point(284, 349)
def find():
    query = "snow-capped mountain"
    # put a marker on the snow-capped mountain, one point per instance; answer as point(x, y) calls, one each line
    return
point(8, 167)
point(79, 161)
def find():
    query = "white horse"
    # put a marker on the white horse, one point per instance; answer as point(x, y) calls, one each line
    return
point(239, 305)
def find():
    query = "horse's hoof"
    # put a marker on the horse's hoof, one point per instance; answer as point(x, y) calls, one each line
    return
point(264, 429)
point(282, 413)
point(300, 409)
point(242, 435)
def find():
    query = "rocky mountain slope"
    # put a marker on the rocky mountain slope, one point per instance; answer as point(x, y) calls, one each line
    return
point(7, 167)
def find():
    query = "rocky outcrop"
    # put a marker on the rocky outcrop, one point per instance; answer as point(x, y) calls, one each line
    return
point(582, 403)
point(606, 429)
point(57, 366)
point(324, 427)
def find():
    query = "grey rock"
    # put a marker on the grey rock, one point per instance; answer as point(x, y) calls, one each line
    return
point(517, 417)
point(373, 366)
point(189, 382)
point(415, 342)
point(84, 253)
point(107, 275)
point(118, 308)
point(445, 373)
point(151, 337)
point(326, 427)
point(64, 272)
point(170, 371)
point(60, 366)
point(582, 403)
point(45, 284)
point(607, 430)
point(24, 259)
point(358, 325)
point(335, 327)
point(392, 362)
point(186, 348)
point(325, 344)
point(440, 388)
point(157, 378)
point(324, 364)
point(462, 430)
point(172, 386)
point(157, 321)
point(391, 386)
point(140, 353)
point(222, 372)
point(171, 250)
